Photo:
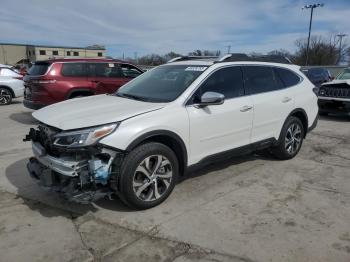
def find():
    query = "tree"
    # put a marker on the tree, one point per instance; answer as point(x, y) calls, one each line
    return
point(204, 53)
point(152, 59)
point(322, 51)
point(171, 55)
point(281, 52)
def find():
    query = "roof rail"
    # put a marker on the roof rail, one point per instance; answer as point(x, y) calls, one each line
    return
point(186, 58)
point(237, 57)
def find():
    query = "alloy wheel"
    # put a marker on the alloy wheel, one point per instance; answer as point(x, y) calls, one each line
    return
point(293, 138)
point(5, 96)
point(152, 178)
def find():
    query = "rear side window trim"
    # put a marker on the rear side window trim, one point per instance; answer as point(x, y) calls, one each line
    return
point(76, 62)
point(272, 67)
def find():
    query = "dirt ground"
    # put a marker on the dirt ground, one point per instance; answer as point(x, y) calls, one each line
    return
point(251, 208)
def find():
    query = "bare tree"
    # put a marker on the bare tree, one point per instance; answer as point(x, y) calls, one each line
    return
point(281, 52)
point(204, 53)
point(322, 51)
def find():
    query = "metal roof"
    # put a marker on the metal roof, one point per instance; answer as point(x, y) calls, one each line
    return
point(64, 47)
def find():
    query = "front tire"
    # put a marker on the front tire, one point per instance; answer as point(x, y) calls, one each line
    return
point(148, 175)
point(5, 96)
point(291, 139)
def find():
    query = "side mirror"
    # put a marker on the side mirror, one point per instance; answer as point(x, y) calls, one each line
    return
point(211, 98)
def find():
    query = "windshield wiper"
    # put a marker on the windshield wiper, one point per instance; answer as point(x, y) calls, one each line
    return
point(139, 98)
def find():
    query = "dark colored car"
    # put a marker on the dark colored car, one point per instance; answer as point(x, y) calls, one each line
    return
point(52, 81)
point(317, 76)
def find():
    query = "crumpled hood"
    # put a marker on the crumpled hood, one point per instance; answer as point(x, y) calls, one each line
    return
point(92, 111)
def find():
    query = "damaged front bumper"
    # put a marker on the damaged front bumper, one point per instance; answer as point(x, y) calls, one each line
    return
point(79, 176)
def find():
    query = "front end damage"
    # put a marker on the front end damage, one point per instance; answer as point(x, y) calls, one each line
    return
point(82, 175)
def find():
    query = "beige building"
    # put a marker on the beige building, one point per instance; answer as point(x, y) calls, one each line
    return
point(12, 54)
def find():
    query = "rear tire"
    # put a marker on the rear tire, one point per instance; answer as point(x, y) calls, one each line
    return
point(5, 96)
point(148, 175)
point(291, 139)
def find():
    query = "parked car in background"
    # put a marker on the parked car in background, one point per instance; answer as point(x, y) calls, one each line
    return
point(334, 97)
point(138, 141)
point(317, 76)
point(52, 81)
point(11, 85)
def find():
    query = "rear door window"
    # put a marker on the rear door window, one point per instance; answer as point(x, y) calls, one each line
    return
point(39, 68)
point(288, 77)
point(74, 69)
point(261, 79)
point(110, 70)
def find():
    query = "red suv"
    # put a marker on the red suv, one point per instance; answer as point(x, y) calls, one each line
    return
point(52, 81)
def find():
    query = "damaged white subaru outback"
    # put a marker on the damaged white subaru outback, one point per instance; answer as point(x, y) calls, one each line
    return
point(136, 142)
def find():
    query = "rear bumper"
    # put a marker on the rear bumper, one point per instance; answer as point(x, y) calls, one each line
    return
point(32, 105)
point(19, 92)
point(334, 105)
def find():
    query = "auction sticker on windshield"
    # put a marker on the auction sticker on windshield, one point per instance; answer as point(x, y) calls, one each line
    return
point(196, 68)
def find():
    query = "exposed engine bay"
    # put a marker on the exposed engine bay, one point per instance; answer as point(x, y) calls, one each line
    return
point(81, 174)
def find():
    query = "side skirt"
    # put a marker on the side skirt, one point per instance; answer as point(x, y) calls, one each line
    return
point(239, 151)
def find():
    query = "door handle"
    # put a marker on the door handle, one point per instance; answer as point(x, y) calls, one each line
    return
point(246, 108)
point(286, 99)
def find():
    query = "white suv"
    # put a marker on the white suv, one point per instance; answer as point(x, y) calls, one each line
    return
point(136, 142)
point(11, 85)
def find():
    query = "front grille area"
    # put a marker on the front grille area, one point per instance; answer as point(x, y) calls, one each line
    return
point(46, 137)
point(336, 90)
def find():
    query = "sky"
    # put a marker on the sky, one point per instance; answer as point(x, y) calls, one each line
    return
point(161, 26)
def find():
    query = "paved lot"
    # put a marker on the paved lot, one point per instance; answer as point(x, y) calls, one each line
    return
point(252, 208)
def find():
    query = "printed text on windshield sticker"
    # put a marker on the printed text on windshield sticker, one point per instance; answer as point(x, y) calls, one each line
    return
point(196, 68)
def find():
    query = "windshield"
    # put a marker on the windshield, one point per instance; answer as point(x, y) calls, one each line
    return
point(162, 84)
point(345, 74)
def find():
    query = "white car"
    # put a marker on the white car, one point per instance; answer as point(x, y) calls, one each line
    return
point(11, 85)
point(136, 142)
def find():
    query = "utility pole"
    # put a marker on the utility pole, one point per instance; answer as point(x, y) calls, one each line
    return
point(228, 49)
point(312, 7)
point(340, 42)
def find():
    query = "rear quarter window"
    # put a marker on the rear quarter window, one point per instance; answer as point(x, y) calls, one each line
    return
point(287, 77)
point(74, 69)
